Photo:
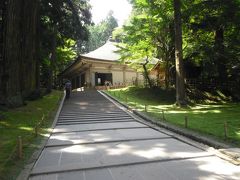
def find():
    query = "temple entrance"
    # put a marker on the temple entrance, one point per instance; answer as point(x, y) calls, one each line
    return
point(82, 80)
point(102, 79)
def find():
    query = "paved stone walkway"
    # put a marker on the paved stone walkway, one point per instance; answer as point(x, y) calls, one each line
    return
point(96, 140)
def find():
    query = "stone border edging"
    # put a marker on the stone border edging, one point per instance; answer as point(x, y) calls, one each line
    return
point(222, 150)
point(185, 132)
point(59, 110)
point(25, 173)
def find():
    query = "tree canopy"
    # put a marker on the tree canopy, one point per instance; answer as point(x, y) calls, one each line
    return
point(100, 33)
point(210, 37)
point(38, 38)
point(194, 39)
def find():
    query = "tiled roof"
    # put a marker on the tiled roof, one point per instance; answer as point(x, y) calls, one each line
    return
point(108, 52)
point(105, 52)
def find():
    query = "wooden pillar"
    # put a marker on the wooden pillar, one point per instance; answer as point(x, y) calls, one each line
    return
point(124, 75)
point(90, 76)
point(137, 77)
point(110, 71)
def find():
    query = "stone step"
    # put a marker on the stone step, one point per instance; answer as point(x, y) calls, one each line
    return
point(82, 157)
point(97, 126)
point(100, 136)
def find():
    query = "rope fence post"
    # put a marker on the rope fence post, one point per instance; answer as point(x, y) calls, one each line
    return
point(225, 130)
point(20, 146)
point(163, 116)
point(186, 122)
point(145, 108)
point(42, 120)
point(36, 130)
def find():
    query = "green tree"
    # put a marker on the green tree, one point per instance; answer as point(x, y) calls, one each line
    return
point(101, 32)
point(31, 33)
point(61, 19)
point(19, 49)
point(150, 27)
point(211, 36)
point(206, 34)
point(180, 85)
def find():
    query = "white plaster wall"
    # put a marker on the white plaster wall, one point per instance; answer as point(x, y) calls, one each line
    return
point(93, 78)
point(140, 77)
point(117, 77)
point(130, 77)
point(87, 79)
point(101, 70)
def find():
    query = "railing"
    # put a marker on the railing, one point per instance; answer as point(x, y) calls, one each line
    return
point(17, 151)
point(227, 128)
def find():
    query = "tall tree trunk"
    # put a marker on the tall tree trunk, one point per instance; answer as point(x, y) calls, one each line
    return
point(11, 89)
point(167, 68)
point(29, 46)
point(38, 56)
point(219, 54)
point(180, 86)
point(2, 39)
point(146, 74)
point(52, 61)
point(19, 49)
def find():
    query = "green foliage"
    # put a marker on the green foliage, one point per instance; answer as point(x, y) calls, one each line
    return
point(101, 32)
point(117, 34)
point(21, 122)
point(211, 35)
point(65, 54)
point(206, 119)
point(63, 24)
point(148, 28)
point(69, 18)
point(149, 34)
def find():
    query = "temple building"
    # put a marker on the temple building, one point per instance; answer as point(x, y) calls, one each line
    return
point(101, 68)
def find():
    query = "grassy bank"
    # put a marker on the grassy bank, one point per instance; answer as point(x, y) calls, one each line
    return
point(22, 122)
point(208, 119)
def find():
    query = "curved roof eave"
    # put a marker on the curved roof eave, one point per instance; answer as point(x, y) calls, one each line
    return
point(105, 52)
point(77, 60)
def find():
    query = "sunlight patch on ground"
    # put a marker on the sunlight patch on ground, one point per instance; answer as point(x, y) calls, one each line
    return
point(164, 107)
point(201, 106)
point(46, 135)
point(206, 111)
point(176, 112)
point(82, 103)
point(238, 134)
point(221, 168)
point(4, 123)
point(26, 128)
point(121, 149)
point(81, 89)
point(78, 149)
point(151, 153)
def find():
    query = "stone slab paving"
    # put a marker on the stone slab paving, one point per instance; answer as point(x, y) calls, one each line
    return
point(196, 168)
point(96, 140)
point(103, 136)
point(112, 154)
point(97, 126)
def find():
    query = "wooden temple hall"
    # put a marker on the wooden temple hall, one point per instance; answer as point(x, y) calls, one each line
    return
point(101, 68)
